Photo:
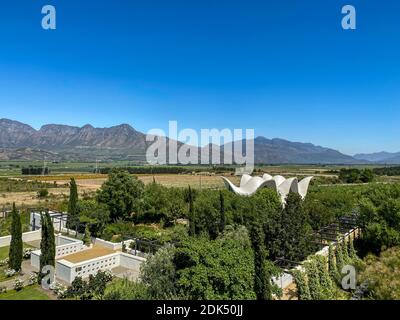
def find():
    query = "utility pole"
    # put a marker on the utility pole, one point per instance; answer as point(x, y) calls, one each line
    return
point(44, 166)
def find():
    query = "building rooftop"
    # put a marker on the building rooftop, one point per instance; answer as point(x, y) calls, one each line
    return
point(94, 252)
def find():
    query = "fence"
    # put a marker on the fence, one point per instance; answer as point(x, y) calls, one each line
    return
point(286, 279)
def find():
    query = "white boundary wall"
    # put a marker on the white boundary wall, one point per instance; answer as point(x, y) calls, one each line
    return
point(130, 261)
point(35, 259)
point(26, 237)
point(112, 245)
point(69, 246)
point(108, 244)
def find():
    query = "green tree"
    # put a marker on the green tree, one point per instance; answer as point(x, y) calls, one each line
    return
point(207, 214)
point(345, 251)
point(192, 223)
point(158, 274)
point(339, 255)
point(16, 245)
point(154, 205)
point(262, 280)
point(222, 219)
point(331, 262)
point(313, 280)
point(216, 269)
point(87, 240)
point(295, 233)
point(94, 214)
point(366, 175)
point(121, 193)
point(72, 205)
point(47, 243)
point(303, 291)
point(325, 281)
point(352, 251)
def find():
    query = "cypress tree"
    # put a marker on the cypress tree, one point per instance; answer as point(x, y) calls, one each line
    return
point(303, 291)
point(295, 232)
point(51, 241)
point(352, 250)
point(262, 278)
point(339, 255)
point(332, 263)
point(345, 249)
point(47, 243)
point(222, 221)
point(313, 280)
point(43, 245)
point(72, 204)
point(87, 237)
point(325, 281)
point(16, 245)
point(192, 226)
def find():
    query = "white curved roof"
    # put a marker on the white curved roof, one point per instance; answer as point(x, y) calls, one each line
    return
point(249, 185)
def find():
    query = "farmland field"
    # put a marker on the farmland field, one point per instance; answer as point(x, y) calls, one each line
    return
point(23, 189)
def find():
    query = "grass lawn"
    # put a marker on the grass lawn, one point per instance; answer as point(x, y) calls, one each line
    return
point(4, 252)
point(3, 255)
point(27, 293)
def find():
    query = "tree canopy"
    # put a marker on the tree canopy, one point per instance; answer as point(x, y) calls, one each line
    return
point(121, 193)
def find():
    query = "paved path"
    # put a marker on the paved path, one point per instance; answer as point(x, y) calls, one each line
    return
point(26, 273)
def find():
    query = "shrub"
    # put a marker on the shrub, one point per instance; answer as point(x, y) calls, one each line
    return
point(9, 273)
point(18, 284)
point(33, 278)
point(94, 287)
point(382, 275)
point(123, 289)
point(60, 290)
point(42, 193)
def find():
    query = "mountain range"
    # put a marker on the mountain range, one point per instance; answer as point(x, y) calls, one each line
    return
point(380, 157)
point(19, 141)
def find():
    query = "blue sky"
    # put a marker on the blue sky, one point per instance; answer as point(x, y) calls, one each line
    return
point(285, 68)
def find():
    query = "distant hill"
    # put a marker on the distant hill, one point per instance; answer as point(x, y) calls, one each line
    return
point(380, 157)
point(28, 154)
point(283, 151)
point(63, 142)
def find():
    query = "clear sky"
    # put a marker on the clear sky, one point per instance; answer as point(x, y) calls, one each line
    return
point(285, 68)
